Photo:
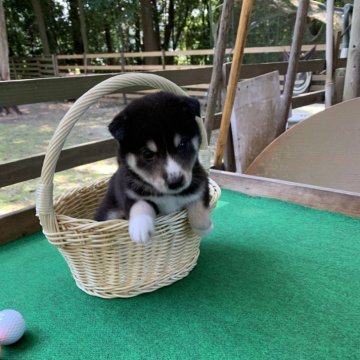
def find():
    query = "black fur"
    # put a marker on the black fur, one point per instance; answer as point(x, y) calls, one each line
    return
point(156, 117)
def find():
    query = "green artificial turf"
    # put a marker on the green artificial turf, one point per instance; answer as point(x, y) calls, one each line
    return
point(273, 281)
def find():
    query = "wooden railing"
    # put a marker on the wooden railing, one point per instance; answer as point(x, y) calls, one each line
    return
point(19, 92)
point(32, 67)
point(76, 64)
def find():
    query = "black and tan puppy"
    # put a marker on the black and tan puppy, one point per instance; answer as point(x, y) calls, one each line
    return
point(159, 171)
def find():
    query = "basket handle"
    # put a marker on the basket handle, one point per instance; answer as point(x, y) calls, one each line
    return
point(44, 196)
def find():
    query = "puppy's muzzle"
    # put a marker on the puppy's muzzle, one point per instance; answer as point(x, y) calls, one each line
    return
point(175, 182)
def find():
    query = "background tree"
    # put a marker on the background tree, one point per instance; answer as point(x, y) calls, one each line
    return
point(74, 18)
point(150, 34)
point(128, 25)
point(42, 27)
point(83, 26)
point(4, 54)
point(4, 48)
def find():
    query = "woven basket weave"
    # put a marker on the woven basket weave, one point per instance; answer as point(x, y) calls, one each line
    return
point(102, 258)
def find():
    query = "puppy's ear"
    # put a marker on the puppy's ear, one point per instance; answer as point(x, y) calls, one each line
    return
point(193, 105)
point(117, 126)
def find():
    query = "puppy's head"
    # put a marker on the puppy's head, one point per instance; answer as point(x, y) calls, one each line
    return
point(159, 139)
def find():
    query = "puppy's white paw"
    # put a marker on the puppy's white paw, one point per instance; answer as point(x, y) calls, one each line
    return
point(141, 228)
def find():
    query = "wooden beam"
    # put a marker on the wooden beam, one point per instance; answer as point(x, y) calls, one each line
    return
point(308, 98)
point(30, 168)
point(17, 224)
point(248, 50)
point(311, 196)
point(19, 92)
point(352, 75)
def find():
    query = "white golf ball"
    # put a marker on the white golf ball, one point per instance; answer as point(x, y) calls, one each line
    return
point(12, 326)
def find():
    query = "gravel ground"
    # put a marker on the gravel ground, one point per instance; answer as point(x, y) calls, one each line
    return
point(29, 134)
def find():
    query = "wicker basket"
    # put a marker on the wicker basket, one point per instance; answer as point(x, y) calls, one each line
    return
point(101, 256)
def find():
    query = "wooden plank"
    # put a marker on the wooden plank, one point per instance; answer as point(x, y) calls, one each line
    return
point(318, 77)
point(317, 87)
point(311, 196)
point(256, 106)
point(128, 67)
point(253, 70)
point(308, 98)
point(66, 57)
point(143, 54)
point(321, 150)
point(248, 50)
point(104, 56)
point(30, 168)
point(280, 49)
point(17, 224)
point(19, 92)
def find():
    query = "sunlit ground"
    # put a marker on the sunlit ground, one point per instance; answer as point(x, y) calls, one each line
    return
point(29, 134)
point(20, 195)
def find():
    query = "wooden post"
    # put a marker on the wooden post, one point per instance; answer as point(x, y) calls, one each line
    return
point(329, 86)
point(122, 59)
point(85, 63)
point(246, 10)
point(219, 55)
point(295, 52)
point(352, 76)
point(38, 67)
point(14, 67)
point(163, 59)
point(55, 64)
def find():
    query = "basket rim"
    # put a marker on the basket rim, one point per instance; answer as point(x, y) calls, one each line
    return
point(160, 219)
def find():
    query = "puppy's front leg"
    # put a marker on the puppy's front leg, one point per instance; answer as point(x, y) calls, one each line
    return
point(199, 217)
point(141, 221)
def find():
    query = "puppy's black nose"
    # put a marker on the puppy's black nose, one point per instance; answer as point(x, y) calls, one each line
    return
point(175, 182)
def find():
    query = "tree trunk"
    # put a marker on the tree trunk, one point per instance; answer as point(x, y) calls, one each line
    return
point(352, 76)
point(78, 45)
point(42, 27)
point(4, 56)
point(151, 43)
point(83, 26)
point(169, 26)
point(4, 46)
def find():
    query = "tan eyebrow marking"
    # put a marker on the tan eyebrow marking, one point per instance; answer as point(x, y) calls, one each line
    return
point(152, 146)
point(177, 140)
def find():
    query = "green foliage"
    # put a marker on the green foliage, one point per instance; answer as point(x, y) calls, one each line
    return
point(115, 25)
point(23, 32)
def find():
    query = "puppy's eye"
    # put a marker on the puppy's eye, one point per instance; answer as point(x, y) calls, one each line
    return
point(182, 145)
point(148, 155)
